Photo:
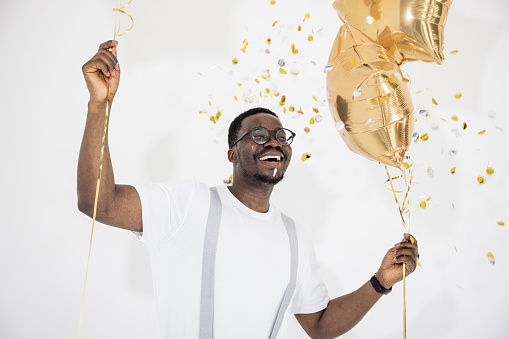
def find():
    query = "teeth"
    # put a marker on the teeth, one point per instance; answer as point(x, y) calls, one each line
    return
point(268, 157)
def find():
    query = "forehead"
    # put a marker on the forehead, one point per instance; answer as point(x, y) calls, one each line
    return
point(261, 119)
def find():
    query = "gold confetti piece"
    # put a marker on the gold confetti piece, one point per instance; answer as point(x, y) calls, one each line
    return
point(218, 115)
point(315, 98)
point(373, 102)
point(213, 119)
point(382, 56)
point(384, 98)
point(282, 70)
point(424, 136)
point(229, 180)
point(267, 90)
point(464, 125)
point(428, 198)
point(422, 204)
point(294, 50)
point(406, 164)
point(305, 156)
point(300, 111)
point(419, 263)
point(291, 108)
point(454, 52)
point(311, 121)
point(453, 205)
point(274, 23)
point(235, 61)
point(272, 2)
point(490, 170)
point(412, 239)
point(307, 16)
point(210, 103)
point(310, 38)
point(482, 132)
point(307, 129)
point(204, 111)
point(257, 81)
point(235, 97)
point(315, 109)
point(480, 179)
point(455, 118)
point(354, 62)
point(276, 94)
point(453, 170)
point(434, 101)
point(500, 223)
point(239, 84)
point(267, 51)
point(269, 41)
point(491, 258)
point(199, 73)
point(458, 95)
point(299, 28)
point(244, 45)
point(405, 79)
point(443, 119)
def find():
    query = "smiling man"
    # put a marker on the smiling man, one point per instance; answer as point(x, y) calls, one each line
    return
point(225, 262)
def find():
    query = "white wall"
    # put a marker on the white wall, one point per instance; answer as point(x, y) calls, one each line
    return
point(157, 134)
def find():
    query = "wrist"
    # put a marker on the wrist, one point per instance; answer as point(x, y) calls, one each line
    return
point(379, 285)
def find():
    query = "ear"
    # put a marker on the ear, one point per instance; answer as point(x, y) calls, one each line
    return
point(232, 155)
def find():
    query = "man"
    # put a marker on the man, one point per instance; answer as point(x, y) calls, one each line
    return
point(236, 285)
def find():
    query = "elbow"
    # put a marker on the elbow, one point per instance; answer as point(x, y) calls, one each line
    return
point(85, 208)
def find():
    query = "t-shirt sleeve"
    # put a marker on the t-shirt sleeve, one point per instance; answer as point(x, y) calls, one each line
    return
point(164, 209)
point(311, 294)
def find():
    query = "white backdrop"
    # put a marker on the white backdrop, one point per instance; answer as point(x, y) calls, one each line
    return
point(177, 59)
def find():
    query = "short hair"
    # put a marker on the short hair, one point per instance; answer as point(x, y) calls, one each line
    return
point(233, 131)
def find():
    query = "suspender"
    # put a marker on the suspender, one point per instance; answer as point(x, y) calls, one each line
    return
point(208, 269)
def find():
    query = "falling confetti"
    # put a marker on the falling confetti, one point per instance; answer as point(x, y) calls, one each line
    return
point(491, 258)
point(454, 52)
point(311, 121)
point(490, 170)
point(458, 95)
point(305, 156)
point(244, 46)
point(500, 223)
point(455, 118)
point(272, 2)
point(480, 179)
point(294, 50)
point(434, 101)
point(318, 118)
point(315, 109)
point(482, 132)
point(281, 62)
point(307, 129)
point(235, 61)
point(282, 70)
point(310, 38)
point(424, 137)
point(464, 125)
point(453, 170)
point(422, 204)
point(229, 180)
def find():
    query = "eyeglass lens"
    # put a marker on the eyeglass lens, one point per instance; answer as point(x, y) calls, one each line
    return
point(261, 135)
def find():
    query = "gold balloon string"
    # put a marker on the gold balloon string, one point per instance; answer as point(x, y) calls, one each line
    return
point(116, 33)
point(404, 206)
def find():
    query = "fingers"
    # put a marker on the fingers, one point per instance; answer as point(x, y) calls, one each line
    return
point(104, 60)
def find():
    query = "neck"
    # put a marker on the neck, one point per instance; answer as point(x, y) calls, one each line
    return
point(254, 197)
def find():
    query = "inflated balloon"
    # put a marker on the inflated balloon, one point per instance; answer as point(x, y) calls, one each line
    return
point(369, 99)
point(408, 29)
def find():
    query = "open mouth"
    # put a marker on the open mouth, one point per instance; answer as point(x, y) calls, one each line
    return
point(271, 159)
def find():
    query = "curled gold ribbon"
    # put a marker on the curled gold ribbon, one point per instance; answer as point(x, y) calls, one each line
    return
point(106, 118)
point(406, 226)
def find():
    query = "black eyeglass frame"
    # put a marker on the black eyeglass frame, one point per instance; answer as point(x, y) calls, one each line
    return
point(270, 133)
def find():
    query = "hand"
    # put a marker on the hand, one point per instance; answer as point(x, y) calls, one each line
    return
point(391, 269)
point(102, 71)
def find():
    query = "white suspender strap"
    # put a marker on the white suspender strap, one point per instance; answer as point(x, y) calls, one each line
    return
point(294, 249)
point(208, 268)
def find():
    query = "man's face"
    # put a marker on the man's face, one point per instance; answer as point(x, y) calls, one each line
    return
point(262, 164)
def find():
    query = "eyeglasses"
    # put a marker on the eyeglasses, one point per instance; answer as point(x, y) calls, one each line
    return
point(261, 135)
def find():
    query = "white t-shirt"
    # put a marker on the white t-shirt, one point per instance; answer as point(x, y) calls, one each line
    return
point(252, 263)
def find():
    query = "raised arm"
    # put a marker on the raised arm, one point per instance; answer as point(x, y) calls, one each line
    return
point(343, 313)
point(118, 205)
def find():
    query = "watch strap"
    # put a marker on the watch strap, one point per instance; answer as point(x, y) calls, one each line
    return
point(378, 287)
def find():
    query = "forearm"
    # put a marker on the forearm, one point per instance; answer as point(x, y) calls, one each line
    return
point(343, 313)
point(89, 161)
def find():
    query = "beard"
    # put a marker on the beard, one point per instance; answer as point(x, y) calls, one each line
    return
point(261, 179)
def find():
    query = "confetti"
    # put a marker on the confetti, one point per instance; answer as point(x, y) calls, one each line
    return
point(500, 223)
point(274, 23)
point(373, 102)
point(272, 2)
point(300, 111)
point(464, 125)
point(384, 98)
point(269, 41)
point(458, 95)
point(318, 118)
point(299, 28)
point(305, 156)
point(422, 204)
point(454, 52)
point(453, 170)
point(306, 129)
point(244, 46)
point(294, 50)
point(239, 84)
point(213, 119)
point(491, 258)
point(424, 137)
point(480, 179)
point(307, 16)
point(229, 180)
point(315, 109)
point(281, 62)
point(310, 38)
point(490, 170)
point(434, 101)
point(311, 121)
point(482, 132)
point(282, 70)
point(455, 118)
point(354, 62)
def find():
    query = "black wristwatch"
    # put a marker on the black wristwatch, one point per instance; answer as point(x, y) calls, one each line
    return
point(378, 287)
